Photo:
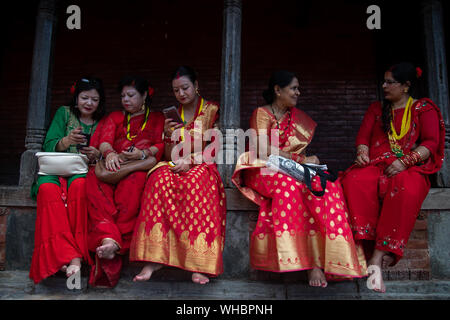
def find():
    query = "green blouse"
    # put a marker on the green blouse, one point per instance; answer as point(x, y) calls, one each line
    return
point(63, 122)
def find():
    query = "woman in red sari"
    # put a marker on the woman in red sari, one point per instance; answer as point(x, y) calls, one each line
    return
point(400, 143)
point(61, 215)
point(296, 230)
point(132, 134)
point(182, 218)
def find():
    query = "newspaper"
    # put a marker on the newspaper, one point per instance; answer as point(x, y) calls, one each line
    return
point(292, 168)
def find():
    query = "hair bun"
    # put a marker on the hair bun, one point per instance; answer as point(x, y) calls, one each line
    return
point(418, 72)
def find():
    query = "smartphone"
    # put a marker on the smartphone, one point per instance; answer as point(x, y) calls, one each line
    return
point(172, 113)
point(87, 136)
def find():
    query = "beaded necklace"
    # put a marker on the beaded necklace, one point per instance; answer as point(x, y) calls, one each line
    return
point(406, 124)
point(129, 136)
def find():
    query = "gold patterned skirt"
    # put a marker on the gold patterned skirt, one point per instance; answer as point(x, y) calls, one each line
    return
point(297, 230)
point(182, 220)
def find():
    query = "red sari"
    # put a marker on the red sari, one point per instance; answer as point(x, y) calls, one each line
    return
point(113, 208)
point(384, 209)
point(296, 230)
point(182, 218)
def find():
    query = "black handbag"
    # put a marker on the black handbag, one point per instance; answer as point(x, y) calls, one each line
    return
point(324, 177)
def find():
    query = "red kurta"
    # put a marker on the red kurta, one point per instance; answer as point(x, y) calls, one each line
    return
point(384, 209)
point(113, 208)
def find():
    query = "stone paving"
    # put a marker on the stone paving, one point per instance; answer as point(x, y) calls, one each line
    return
point(15, 285)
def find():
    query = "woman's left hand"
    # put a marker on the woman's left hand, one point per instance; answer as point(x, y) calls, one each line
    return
point(91, 152)
point(395, 168)
point(181, 165)
point(136, 154)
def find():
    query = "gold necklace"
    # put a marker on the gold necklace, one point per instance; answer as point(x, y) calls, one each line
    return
point(278, 124)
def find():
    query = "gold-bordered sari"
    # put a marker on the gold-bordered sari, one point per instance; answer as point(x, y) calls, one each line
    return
point(295, 229)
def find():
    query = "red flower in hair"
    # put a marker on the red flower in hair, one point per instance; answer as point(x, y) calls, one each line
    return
point(150, 91)
point(72, 88)
point(418, 72)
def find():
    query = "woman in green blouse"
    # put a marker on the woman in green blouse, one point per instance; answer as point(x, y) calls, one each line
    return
point(61, 215)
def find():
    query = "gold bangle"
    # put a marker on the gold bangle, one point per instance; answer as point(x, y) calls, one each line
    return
point(403, 162)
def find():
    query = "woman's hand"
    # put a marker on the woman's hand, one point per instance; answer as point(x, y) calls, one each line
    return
point(112, 161)
point(181, 165)
point(91, 152)
point(312, 159)
point(135, 154)
point(395, 168)
point(362, 156)
point(74, 137)
point(170, 126)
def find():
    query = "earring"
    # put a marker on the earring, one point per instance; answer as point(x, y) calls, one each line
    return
point(405, 90)
point(197, 91)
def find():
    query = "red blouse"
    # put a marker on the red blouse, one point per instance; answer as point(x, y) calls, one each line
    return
point(114, 132)
point(425, 126)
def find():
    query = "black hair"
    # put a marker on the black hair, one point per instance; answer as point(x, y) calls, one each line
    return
point(402, 72)
point(184, 71)
point(140, 84)
point(282, 78)
point(86, 84)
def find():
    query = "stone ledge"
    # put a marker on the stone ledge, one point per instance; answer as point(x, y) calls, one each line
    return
point(16, 196)
point(16, 285)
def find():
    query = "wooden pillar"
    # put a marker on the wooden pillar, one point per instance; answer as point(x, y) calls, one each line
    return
point(230, 85)
point(436, 72)
point(40, 87)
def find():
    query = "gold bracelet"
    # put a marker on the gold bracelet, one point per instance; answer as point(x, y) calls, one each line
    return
point(403, 162)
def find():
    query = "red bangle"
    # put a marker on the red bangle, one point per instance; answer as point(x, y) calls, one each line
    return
point(411, 159)
point(105, 154)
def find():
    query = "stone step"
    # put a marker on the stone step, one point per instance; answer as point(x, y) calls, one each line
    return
point(16, 285)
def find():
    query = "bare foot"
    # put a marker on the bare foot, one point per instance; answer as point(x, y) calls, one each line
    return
point(199, 278)
point(107, 250)
point(374, 269)
point(387, 260)
point(317, 278)
point(147, 271)
point(74, 267)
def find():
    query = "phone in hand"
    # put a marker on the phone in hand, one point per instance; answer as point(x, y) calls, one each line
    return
point(172, 113)
point(87, 136)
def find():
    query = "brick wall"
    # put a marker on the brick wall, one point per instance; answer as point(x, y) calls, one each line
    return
point(337, 58)
point(332, 53)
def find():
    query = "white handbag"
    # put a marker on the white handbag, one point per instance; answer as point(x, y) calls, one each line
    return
point(62, 164)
